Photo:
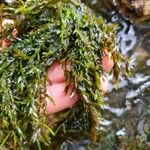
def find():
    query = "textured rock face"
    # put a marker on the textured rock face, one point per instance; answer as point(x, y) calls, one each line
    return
point(138, 10)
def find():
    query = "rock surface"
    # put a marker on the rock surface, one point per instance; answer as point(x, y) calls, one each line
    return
point(137, 10)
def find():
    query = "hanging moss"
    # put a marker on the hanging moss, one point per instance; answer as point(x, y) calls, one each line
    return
point(51, 30)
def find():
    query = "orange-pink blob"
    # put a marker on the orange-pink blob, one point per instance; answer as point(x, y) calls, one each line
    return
point(107, 63)
point(56, 87)
point(5, 43)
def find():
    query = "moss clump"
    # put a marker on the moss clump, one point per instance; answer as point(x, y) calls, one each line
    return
point(51, 30)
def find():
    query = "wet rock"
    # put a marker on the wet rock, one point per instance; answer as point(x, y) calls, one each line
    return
point(74, 145)
point(137, 10)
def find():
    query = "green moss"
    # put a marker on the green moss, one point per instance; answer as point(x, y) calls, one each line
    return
point(51, 30)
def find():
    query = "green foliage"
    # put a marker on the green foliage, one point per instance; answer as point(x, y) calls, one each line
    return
point(51, 30)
